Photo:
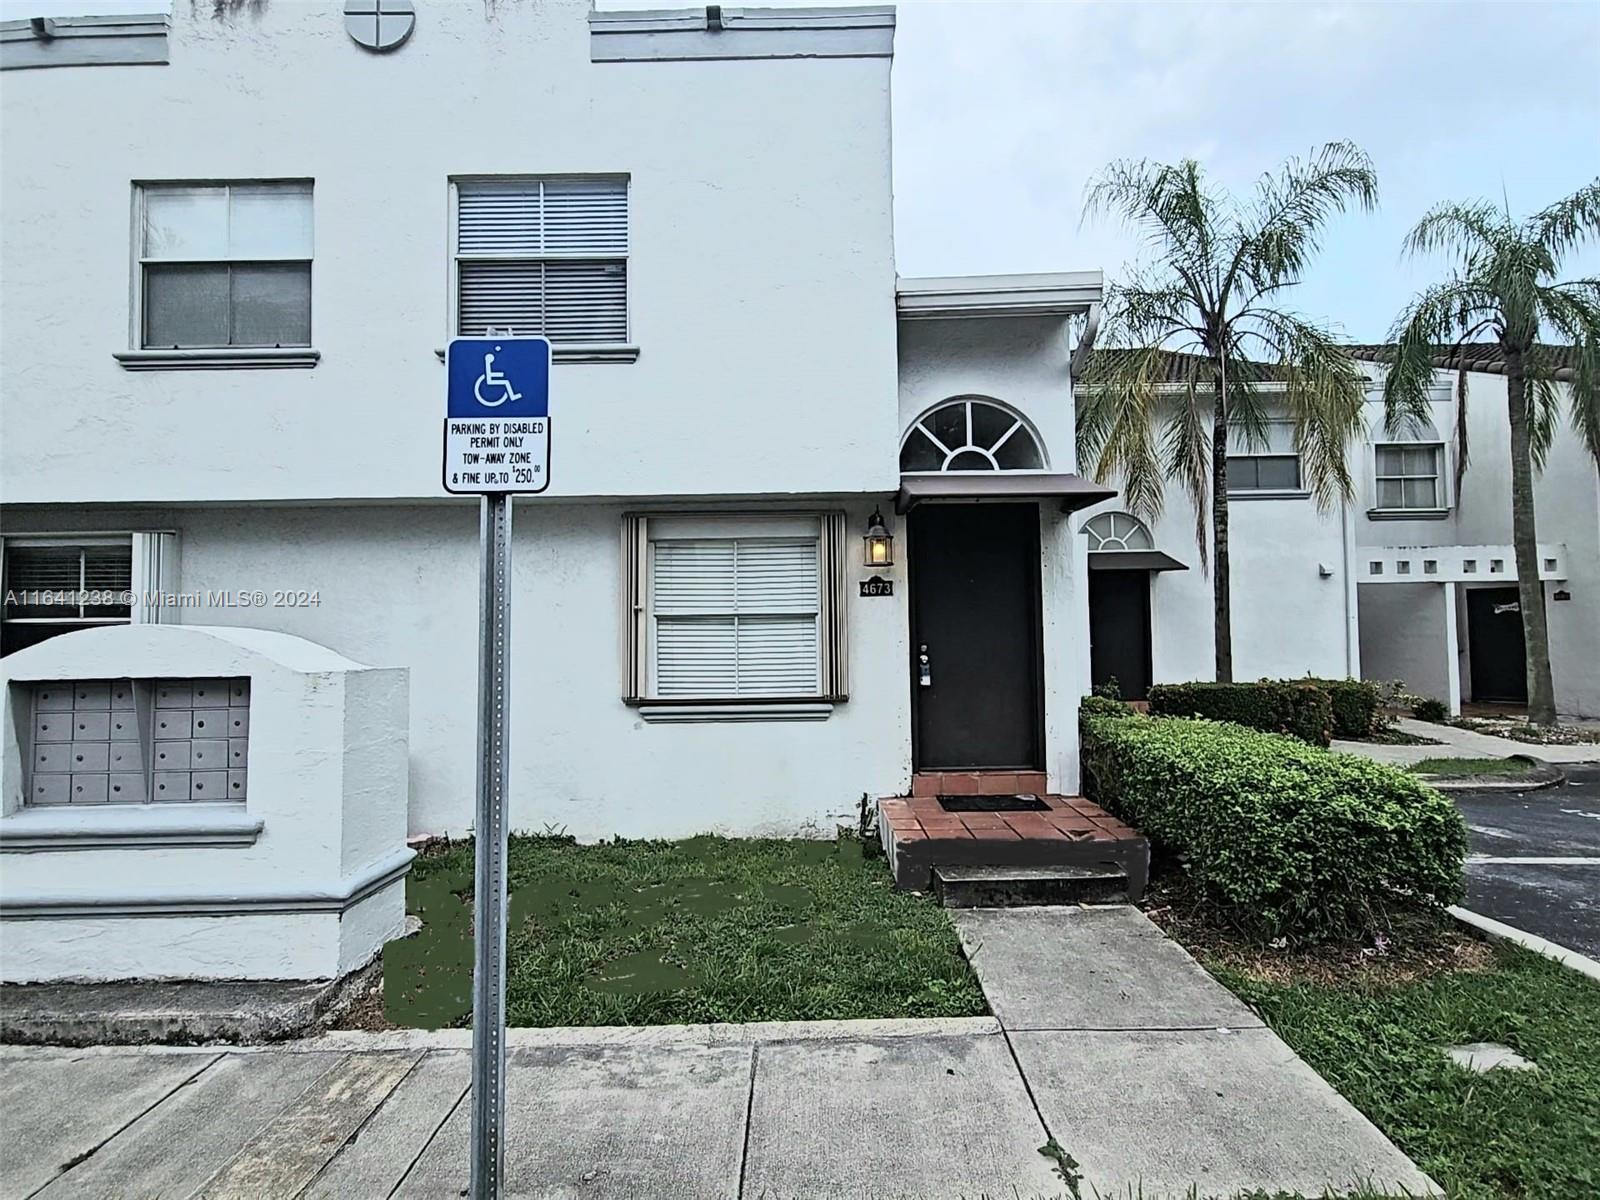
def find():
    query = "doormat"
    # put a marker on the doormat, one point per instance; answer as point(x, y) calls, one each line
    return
point(992, 804)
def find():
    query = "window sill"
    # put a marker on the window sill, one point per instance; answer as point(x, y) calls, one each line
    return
point(1407, 514)
point(715, 710)
point(1265, 494)
point(254, 358)
point(126, 827)
point(623, 352)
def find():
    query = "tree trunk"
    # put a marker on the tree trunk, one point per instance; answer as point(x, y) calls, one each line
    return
point(1525, 538)
point(1219, 529)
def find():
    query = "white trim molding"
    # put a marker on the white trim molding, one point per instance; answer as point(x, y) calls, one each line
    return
point(252, 359)
point(337, 896)
point(715, 32)
point(1055, 294)
point(694, 714)
point(130, 39)
point(126, 827)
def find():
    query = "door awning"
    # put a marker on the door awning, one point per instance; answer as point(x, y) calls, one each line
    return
point(1073, 491)
point(1133, 560)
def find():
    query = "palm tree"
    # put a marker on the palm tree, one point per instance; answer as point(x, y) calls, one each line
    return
point(1190, 337)
point(1503, 288)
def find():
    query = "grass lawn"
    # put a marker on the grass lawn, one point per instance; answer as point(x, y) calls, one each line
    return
point(707, 929)
point(1461, 768)
point(1374, 1022)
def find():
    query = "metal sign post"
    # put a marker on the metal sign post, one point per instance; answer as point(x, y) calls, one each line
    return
point(489, 875)
point(496, 443)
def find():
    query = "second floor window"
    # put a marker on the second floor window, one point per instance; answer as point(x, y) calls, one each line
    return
point(543, 256)
point(1408, 477)
point(1269, 466)
point(224, 265)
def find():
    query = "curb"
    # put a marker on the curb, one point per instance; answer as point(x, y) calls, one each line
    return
point(1500, 931)
point(581, 1036)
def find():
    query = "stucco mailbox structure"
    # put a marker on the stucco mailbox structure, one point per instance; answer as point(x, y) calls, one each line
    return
point(194, 802)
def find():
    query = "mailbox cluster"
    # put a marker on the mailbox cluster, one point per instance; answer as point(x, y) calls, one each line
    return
point(127, 741)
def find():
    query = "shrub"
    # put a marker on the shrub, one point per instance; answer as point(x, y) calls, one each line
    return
point(1097, 705)
point(1110, 689)
point(1426, 708)
point(1355, 704)
point(1294, 840)
point(1301, 710)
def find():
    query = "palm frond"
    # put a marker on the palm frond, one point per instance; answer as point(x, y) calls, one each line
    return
point(1444, 314)
point(1573, 311)
point(1324, 396)
point(1284, 226)
point(1472, 230)
point(1569, 222)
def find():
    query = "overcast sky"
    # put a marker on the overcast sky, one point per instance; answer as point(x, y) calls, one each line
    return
point(1004, 111)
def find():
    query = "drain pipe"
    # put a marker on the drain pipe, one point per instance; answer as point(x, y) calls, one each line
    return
point(1080, 353)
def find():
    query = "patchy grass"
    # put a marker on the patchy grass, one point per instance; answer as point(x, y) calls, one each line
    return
point(707, 929)
point(1463, 768)
point(1373, 1019)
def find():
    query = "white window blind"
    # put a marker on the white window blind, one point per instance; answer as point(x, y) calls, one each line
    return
point(736, 617)
point(543, 256)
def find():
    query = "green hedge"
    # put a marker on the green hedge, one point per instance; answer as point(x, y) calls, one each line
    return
point(1295, 841)
point(1301, 710)
point(1356, 705)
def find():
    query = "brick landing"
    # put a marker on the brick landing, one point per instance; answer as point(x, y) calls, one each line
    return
point(919, 835)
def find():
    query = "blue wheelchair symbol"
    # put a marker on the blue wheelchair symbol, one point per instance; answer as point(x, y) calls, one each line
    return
point(500, 377)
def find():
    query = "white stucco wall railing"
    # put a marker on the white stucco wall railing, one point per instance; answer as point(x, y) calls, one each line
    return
point(1453, 564)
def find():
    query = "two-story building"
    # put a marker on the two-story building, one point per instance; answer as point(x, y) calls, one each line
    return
point(235, 242)
point(1413, 579)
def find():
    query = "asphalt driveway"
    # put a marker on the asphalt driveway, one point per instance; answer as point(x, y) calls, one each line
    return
point(1534, 858)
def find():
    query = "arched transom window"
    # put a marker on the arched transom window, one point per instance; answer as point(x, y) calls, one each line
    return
point(970, 435)
point(1118, 531)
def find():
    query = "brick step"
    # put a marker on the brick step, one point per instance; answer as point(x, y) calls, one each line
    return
point(1017, 887)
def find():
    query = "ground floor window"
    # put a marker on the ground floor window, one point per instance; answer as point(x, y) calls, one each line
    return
point(723, 608)
point(53, 586)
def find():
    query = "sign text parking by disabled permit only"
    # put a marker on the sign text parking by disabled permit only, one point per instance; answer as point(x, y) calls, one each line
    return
point(497, 415)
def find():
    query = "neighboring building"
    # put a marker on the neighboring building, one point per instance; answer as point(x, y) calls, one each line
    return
point(222, 381)
point(1412, 580)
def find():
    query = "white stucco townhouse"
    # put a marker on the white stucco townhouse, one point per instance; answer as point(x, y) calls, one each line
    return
point(1414, 579)
point(235, 242)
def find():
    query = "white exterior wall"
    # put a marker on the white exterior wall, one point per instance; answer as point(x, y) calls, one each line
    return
point(1407, 633)
point(400, 585)
point(1288, 619)
point(761, 276)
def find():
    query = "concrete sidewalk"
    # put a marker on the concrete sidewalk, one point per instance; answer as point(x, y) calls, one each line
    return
point(1110, 1038)
point(1464, 743)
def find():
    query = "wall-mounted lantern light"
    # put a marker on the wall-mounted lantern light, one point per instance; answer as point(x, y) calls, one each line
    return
point(879, 542)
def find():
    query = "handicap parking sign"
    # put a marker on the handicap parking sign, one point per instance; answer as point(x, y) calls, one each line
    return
point(497, 415)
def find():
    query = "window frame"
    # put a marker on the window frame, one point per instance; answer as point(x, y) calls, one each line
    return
point(639, 643)
point(142, 354)
point(1249, 454)
point(78, 542)
point(1440, 477)
point(624, 351)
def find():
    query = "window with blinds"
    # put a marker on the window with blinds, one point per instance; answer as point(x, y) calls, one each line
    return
point(543, 256)
point(1269, 465)
point(53, 587)
point(734, 609)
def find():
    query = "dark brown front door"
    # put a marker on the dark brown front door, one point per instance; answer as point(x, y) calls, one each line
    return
point(1495, 646)
point(1119, 631)
point(975, 616)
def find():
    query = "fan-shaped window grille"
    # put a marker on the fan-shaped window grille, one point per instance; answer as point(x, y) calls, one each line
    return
point(1118, 531)
point(970, 435)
